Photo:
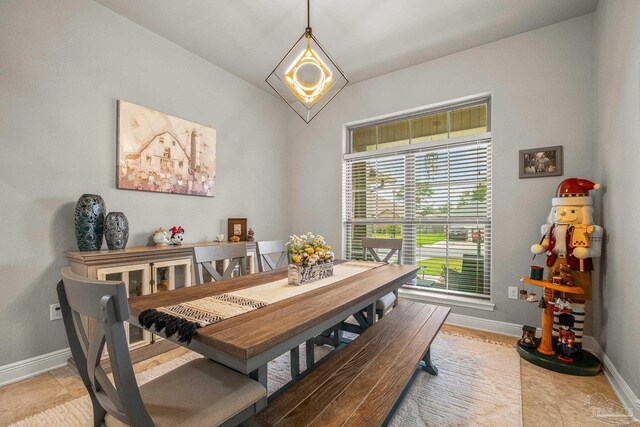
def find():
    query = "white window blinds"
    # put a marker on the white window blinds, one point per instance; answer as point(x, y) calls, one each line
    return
point(436, 196)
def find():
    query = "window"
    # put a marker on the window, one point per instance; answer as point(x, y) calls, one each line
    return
point(426, 179)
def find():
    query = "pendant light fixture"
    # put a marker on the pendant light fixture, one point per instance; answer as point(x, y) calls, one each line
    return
point(307, 78)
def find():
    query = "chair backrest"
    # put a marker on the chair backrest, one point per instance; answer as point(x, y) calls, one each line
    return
point(106, 303)
point(371, 245)
point(268, 251)
point(204, 256)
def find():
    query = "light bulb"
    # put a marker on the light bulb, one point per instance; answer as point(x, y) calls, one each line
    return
point(308, 77)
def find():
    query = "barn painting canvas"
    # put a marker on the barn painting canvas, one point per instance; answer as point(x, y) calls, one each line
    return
point(162, 153)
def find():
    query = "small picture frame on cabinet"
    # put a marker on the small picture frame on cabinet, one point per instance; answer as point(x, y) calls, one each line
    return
point(237, 227)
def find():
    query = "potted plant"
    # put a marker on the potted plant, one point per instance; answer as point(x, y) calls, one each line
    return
point(311, 259)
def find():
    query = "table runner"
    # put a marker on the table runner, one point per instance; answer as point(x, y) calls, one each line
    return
point(185, 318)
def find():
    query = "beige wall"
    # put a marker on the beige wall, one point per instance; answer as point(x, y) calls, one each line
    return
point(616, 312)
point(541, 83)
point(63, 65)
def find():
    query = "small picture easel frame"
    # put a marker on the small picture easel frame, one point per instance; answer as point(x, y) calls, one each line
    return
point(237, 227)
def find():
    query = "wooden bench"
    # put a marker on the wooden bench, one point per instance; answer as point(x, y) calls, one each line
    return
point(363, 383)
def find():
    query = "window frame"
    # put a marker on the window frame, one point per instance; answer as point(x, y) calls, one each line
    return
point(414, 114)
point(349, 157)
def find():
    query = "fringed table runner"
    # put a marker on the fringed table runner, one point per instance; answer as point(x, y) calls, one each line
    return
point(185, 318)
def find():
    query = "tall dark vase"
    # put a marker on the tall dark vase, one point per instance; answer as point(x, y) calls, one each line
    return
point(89, 218)
point(116, 230)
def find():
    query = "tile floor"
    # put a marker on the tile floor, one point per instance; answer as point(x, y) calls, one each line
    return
point(548, 398)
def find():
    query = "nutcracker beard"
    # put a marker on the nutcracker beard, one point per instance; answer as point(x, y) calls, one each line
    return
point(560, 234)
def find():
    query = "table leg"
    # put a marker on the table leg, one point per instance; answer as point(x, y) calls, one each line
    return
point(338, 336)
point(371, 314)
point(362, 321)
point(428, 365)
point(295, 362)
point(311, 355)
point(260, 375)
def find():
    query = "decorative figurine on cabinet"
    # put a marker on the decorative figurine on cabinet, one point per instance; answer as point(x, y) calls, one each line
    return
point(566, 338)
point(250, 234)
point(177, 235)
point(160, 237)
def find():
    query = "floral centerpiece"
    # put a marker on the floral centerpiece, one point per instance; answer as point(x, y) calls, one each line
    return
point(311, 258)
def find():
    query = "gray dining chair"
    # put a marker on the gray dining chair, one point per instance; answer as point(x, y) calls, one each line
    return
point(200, 392)
point(272, 255)
point(206, 258)
point(371, 247)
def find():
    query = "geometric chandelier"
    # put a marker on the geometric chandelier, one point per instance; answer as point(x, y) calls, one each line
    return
point(307, 78)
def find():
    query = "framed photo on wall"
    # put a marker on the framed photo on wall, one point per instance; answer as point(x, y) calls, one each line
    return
point(237, 227)
point(540, 162)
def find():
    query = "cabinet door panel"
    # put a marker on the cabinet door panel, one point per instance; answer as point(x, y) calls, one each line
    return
point(137, 280)
point(136, 285)
point(172, 274)
point(182, 275)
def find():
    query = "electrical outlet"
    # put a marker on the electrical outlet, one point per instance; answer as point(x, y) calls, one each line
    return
point(55, 313)
point(513, 292)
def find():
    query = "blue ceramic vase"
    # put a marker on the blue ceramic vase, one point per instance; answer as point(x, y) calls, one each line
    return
point(89, 220)
point(116, 230)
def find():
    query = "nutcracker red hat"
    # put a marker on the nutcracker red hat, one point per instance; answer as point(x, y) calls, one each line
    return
point(574, 192)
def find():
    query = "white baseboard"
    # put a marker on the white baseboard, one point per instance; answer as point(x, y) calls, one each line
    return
point(28, 368)
point(620, 387)
point(495, 326)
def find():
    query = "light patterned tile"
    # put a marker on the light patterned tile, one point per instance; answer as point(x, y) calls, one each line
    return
point(31, 396)
point(548, 398)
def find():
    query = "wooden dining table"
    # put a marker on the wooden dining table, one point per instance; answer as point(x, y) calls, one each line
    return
point(247, 342)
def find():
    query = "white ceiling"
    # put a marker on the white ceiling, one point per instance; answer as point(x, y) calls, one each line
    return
point(367, 38)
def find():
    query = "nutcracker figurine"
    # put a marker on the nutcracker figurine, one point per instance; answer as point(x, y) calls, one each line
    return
point(566, 338)
point(528, 336)
point(570, 242)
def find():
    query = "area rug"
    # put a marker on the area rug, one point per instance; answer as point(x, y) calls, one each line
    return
point(478, 384)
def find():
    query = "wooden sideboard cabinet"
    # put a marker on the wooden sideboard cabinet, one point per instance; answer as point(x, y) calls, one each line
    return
point(146, 270)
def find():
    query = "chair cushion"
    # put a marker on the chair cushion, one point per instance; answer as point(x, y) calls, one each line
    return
point(198, 393)
point(386, 301)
